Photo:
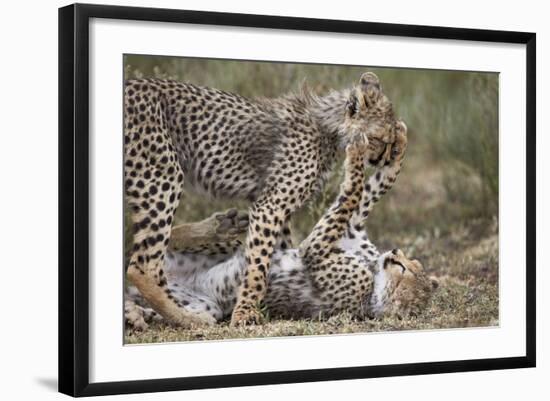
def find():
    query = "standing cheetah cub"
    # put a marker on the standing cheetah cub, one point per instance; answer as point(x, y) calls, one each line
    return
point(335, 269)
point(273, 152)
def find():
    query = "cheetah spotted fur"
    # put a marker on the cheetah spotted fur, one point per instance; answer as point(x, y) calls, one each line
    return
point(335, 269)
point(274, 152)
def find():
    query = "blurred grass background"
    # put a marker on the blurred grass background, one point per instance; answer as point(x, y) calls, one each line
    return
point(451, 170)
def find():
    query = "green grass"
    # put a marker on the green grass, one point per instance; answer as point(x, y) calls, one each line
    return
point(442, 210)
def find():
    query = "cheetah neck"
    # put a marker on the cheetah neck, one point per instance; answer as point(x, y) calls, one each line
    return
point(381, 290)
point(328, 111)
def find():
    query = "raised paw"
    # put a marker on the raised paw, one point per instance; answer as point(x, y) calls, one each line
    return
point(379, 152)
point(358, 145)
point(400, 144)
point(243, 316)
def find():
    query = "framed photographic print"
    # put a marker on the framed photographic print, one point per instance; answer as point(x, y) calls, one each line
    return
point(250, 199)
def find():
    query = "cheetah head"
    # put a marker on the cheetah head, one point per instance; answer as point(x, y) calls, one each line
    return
point(370, 113)
point(401, 286)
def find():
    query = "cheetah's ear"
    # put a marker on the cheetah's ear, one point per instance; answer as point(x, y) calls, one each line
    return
point(370, 86)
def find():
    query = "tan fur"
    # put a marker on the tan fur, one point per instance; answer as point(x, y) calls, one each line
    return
point(337, 269)
point(274, 152)
point(202, 237)
point(410, 288)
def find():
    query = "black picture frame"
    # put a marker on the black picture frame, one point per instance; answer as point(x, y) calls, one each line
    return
point(74, 198)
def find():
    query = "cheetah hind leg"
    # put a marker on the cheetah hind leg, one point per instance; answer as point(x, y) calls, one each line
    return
point(214, 238)
point(215, 235)
point(152, 220)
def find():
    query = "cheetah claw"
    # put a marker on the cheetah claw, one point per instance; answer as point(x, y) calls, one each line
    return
point(358, 144)
point(400, 144)
point(241, 317)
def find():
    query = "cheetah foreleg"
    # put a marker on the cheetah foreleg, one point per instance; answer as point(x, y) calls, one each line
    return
point(383, 178)
point(334, 223)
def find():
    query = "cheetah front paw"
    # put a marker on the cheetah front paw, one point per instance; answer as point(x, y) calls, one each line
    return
point(358, 145)
point(243, 316)
point(400, 144)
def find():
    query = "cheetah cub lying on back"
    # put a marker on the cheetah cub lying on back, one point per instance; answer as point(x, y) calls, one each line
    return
point(335, 269)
